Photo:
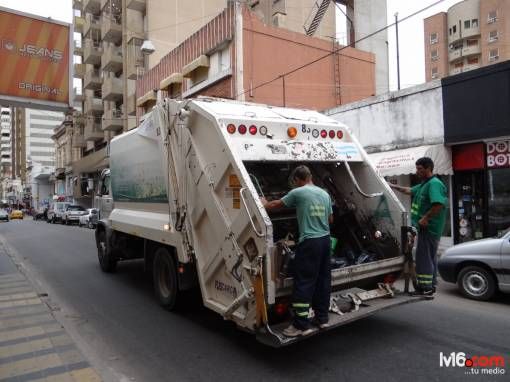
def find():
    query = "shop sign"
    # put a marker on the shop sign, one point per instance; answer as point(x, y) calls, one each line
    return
point(498, 154)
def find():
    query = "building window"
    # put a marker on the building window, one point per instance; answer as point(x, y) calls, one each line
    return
point(492, 17)
point(472, 61)
point(450, 30)
point(454, 29)
point(493, 36)
point(474, 23)
point(433, 55)
point(459, 65)
point(433, 38)
point(467, 24)
point(472, 42)
point(434, 73)
point(493, 55)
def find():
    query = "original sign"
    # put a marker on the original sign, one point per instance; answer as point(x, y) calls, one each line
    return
point(498, 154)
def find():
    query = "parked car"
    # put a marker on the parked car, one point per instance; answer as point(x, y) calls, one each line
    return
point(56, 211)
point(72, 214)
point(4, 215)
point(480, 267)
point(90, 218)
point(16, 214)
point(39, 214)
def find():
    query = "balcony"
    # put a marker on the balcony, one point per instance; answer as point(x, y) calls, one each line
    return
point(111, 28)
point(93, 25)
point(78, 48)
point(93, 105)
point(136, 5)
point(78, 94)
point(78, 4)
point(79, 24)
point(455, 71)
point(79, 70)
point(454, 54)
point(92, 79)
point(112, 89)
point(111, 60)
point(467, 68)
point(92, 52)
point(470, 50)
point(112, 120)
point(92, 6)
point(93, 130)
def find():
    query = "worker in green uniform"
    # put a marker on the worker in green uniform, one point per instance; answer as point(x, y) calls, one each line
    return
point(428, 215)
point(312, 263)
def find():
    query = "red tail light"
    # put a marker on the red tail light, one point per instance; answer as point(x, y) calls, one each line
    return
point(253, 129)
point(324, 133)
point(340, 134)
point(332, 134)
point(242, 129)
point(231, 128)
point(389, 279)
point(281, 309)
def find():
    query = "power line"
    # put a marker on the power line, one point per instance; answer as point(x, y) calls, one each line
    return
point(282, 76)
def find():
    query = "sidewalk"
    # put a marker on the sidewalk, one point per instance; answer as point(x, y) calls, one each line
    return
point(34, 346)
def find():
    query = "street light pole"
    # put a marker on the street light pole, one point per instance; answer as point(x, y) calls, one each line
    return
point(398, 57)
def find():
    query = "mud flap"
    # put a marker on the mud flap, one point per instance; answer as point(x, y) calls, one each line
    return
point(361, 304)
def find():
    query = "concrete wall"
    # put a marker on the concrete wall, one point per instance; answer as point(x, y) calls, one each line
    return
point(369, 16)
point(407, 118)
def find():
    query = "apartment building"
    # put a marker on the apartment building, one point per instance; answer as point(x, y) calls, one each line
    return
point(5, 143)
point(238, 56)
point(471, 34)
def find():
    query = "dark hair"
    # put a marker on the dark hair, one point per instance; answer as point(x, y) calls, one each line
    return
point(302, 173)
point(426, 163)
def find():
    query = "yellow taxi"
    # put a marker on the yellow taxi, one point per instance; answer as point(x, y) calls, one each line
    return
point(16, 214)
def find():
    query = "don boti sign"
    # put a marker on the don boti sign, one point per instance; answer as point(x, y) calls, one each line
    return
point(35, 59)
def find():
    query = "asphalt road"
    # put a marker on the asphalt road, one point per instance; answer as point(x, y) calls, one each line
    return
point(129, 337)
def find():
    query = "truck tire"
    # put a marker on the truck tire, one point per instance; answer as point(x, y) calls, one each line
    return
point(107, 261)
point(476, 283)
point(165, 278)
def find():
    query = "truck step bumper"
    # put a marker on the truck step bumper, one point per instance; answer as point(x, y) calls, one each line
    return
point(273, 336)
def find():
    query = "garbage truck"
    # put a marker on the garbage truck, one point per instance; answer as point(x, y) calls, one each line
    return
point(183, 193)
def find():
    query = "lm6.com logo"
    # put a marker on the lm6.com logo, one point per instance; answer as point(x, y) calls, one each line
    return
point(475, 364)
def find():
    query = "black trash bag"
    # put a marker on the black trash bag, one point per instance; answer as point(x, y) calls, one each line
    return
point(338, 262)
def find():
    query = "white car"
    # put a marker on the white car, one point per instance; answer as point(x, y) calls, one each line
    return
point(72, 214)
point(56, 212)
point(90, 218)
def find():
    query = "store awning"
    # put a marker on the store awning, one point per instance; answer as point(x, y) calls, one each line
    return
point(402, 162)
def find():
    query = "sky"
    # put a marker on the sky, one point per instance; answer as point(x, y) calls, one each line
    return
point(412, 65)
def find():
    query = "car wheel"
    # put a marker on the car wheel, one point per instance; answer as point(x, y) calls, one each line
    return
point(476, 283)
point(165, 279)
point(107, 261)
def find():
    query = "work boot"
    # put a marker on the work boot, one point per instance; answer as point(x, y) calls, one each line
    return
point(321, 325)
point(423, 293)
point(292, 331)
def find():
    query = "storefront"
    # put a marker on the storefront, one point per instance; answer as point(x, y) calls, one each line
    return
point(399, 167)
point(481, 189)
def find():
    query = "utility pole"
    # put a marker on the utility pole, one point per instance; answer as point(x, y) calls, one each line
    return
point(398, 57)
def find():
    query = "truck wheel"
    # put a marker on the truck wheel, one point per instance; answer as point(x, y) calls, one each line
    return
point(107, 261)
point(165, 278)
point(476, 283)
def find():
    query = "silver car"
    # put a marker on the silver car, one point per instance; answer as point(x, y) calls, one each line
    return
point(480, 267)
point(4, 215)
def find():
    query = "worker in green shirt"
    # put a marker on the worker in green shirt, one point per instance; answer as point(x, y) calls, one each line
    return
point(312, 263)
point(428, 215)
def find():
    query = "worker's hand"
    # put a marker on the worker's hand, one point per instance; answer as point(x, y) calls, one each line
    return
point(423, 222)
point(263, 201)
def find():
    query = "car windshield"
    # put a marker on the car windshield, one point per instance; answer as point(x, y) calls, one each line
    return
point(75, 208)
